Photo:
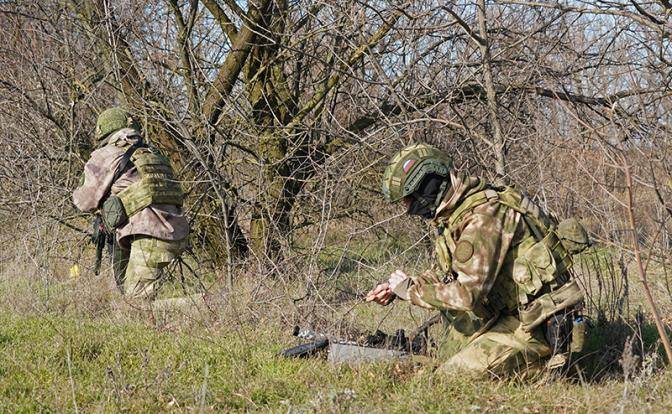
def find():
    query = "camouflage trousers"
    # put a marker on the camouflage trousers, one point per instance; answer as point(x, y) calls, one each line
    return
point(503, 349)
point(139, 272)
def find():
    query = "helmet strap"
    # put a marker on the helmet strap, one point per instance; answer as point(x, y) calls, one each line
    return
point(442, 192)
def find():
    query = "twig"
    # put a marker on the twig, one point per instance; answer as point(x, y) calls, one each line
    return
point(72, 381)
point(204, 388)
point(640, 266)
point(68, 225)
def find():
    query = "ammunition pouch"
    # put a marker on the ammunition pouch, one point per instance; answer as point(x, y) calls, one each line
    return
point(113, 213)
point(542, 308)
point(541, 264)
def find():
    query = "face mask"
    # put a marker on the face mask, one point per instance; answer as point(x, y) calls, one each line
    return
point(419, 208)
point(425, 198)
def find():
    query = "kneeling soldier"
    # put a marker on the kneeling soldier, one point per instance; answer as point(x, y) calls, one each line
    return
point(502, 279)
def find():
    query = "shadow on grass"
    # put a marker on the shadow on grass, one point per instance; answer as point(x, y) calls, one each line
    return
point(616, 349)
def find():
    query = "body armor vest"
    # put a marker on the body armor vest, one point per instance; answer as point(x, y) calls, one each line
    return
point(157, 184)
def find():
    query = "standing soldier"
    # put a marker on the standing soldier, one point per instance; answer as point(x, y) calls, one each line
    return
point(502, 277)
point(140, 201)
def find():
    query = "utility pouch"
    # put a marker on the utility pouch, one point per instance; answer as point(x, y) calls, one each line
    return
point(533, 268)
point(573, 235)
point(114, 214)
point(548, 304)
point(578, 334)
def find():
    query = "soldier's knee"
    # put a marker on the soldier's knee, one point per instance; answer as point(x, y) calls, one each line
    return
point(143, 290)
point(489, 358)
point(463, 367)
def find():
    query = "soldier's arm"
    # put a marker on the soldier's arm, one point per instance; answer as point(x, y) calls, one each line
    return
point(98, 177)
point(480, 251)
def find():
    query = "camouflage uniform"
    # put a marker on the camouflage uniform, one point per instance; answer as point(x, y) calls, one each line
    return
point(495, 267)
point(151, 238)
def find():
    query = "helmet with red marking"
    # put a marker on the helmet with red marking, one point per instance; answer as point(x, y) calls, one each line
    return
point(410, 166)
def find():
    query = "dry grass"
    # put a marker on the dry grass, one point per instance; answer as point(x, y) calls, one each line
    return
point(73, 345)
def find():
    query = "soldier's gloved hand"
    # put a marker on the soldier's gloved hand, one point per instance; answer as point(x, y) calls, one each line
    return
point(396, 277)
point(381, 294)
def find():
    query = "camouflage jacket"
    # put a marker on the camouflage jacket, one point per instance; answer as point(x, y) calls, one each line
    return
point(162, 221)
point(474, 255)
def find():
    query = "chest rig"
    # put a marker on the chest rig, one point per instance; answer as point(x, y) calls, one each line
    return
point(536, 268)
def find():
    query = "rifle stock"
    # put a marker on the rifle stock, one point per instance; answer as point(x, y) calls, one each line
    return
point(99, 237)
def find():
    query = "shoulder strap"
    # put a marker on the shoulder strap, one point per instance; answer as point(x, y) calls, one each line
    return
point(470, 203)
point(529, 211)
point(124, 160)
point(505, 196)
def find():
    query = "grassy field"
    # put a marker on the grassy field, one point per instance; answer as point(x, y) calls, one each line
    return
point(54, 363)
point(73, 346)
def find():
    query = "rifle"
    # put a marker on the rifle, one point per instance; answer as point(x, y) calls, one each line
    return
point(100, 238)
point(317, 343)
point(376, 346)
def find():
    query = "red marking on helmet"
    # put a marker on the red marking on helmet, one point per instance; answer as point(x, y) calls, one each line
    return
point(407, 166)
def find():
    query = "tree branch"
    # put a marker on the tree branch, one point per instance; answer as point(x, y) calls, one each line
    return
point(228, 73)
point(498, 138)
point(45, 112)
point(588, 10)
point(183, 35)
point(464, 26)
point(645, 13)
point(224, 21)
point(476, 91)
point(640, 266)
point(356, 55)
point(231, 4)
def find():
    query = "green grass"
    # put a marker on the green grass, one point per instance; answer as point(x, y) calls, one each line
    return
point(54, 363)
point(69, 345)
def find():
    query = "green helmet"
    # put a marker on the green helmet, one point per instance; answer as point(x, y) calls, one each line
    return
point(111, 120)
point(409, 166)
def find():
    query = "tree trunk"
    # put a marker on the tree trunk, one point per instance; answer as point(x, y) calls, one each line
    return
point(498, 139)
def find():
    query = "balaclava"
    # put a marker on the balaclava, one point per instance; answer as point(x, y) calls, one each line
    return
point(428, 196)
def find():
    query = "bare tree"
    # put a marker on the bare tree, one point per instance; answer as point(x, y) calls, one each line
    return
point(280, 115)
